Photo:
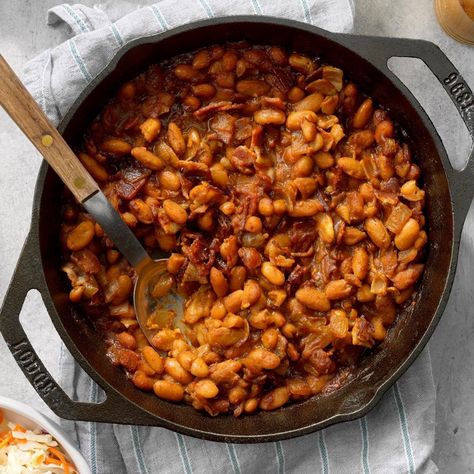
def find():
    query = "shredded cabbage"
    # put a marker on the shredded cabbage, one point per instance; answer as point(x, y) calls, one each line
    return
point(24, 451)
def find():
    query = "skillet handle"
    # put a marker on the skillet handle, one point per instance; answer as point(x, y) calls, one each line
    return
point(27, 276)
point(380, 50)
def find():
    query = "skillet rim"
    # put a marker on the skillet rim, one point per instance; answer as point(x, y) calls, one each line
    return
point(346, 41)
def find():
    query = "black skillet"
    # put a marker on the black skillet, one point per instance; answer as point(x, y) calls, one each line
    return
point(449, 194)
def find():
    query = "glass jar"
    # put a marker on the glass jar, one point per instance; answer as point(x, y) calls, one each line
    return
point(457, 18)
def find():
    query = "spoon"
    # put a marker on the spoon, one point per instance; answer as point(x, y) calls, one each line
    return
point(25, 112)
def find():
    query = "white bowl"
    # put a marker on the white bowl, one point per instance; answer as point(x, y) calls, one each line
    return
point(18, 412)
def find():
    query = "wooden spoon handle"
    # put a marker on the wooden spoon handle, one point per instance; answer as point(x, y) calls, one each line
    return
point(23, 109)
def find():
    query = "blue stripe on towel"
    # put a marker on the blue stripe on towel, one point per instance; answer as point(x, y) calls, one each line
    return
point(159, 17)
point(93, 431)
point(183, 453)
point(117, 35)
point(280, 457)
point(404, 429)
point(207, 8)
point(307, 12)
point(43, 94)
point(137, 448)
point(257, 7)
point(233, 458)
point(80, 63)
point(80, 22)
point(365, 445)
point(323, 452)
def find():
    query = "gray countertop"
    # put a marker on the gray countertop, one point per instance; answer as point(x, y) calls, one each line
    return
point(23, 34)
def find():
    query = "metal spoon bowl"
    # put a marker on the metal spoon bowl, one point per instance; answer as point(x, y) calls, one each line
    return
point(155, 313)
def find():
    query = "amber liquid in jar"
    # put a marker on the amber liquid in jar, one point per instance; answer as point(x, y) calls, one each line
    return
point(457, 18)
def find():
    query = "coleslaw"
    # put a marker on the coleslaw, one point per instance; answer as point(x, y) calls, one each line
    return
point(24, 451)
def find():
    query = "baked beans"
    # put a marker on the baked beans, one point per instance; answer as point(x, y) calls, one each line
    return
point(292, 210)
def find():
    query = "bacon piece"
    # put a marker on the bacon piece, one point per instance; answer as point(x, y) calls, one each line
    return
point(217, 106)
point(153, 107)
point(243, 158)
point(224, 126)
point(224, 227)
point(302, 235)
point(264, 181)
point(257, 136)
point(125, 357)
point(362, 332)
point(280, 79)
point(202, 253)
point(295, 279)
point(247, 196)
point(390, 186)
point(243, 129)
point(132, 181)
point(322, 362)
point(86, 260)
point(128, 191)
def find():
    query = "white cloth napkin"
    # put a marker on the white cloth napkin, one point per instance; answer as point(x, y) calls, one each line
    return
point(396, 437)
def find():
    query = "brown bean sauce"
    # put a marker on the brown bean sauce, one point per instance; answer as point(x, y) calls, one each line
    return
point(291, 210)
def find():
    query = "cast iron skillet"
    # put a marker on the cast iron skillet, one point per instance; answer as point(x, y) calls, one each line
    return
point(449, 193)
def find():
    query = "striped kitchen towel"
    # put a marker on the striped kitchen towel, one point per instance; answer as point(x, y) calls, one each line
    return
point(396, 437)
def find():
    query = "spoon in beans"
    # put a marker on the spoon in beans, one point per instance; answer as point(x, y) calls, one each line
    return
point(154, 300)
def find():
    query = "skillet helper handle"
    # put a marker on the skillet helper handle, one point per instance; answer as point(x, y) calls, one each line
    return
point(26, 113)
point(461, 95)
point(27, 276)
point(382, 49)
point(448, 76)
point(463, 98)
